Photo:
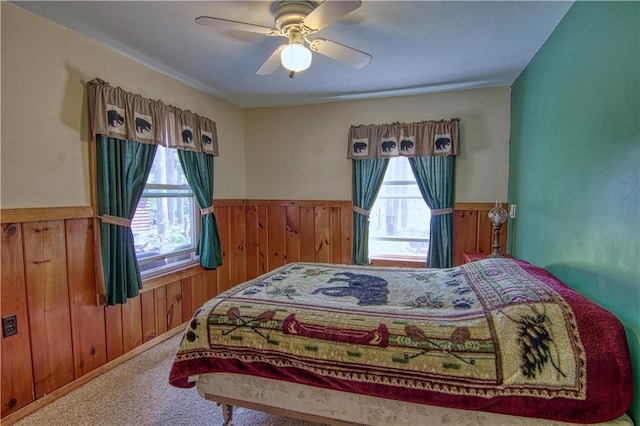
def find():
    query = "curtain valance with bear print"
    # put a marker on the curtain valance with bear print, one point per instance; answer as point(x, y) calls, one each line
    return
point(421, 139)
point(123, 115)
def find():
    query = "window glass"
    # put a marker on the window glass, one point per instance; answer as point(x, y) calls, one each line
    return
point(164, 226)
point(399, 220)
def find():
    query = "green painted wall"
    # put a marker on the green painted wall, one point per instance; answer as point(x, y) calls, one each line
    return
point(574, 168)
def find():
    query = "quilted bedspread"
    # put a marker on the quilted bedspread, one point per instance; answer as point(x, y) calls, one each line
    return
point(497, 335)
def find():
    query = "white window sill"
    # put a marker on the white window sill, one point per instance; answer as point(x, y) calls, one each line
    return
point(402, 261)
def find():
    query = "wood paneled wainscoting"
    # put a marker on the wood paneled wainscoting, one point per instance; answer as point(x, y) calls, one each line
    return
point(65, 339)
point(280, 232)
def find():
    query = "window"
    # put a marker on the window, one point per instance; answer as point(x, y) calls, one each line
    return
point(399, 220)
point(165, 227)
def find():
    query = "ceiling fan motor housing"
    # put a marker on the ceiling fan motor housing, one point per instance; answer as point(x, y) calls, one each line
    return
point(290, 13)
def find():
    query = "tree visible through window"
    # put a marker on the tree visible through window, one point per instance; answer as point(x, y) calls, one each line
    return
point(164, 227)
point(399, 220)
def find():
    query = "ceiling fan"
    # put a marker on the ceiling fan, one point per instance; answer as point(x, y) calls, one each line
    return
point(297, 21)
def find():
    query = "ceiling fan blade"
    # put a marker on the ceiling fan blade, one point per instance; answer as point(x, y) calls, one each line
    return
point(272, 63)
point(236, 25)
point(340, 52)
point(328, 12)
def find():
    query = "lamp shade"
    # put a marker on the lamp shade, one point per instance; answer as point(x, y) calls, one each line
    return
point(295, 57)
point(498, 215)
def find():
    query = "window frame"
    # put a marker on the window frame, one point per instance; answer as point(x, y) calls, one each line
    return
point(396, 256)
point(173, 191)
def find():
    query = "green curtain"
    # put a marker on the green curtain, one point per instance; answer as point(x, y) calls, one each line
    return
point(367, 179)
point(122, 168)
point(198, 168)
point(434, 176)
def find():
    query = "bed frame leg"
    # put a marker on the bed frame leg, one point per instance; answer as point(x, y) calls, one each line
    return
point(227, 414)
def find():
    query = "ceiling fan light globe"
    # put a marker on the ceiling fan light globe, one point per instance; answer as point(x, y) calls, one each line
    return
point(295, 57)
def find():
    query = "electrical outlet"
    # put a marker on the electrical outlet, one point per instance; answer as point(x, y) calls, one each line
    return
point(512, 211)
point(9, 325)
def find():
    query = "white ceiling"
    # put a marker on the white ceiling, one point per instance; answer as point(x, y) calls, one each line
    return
point(417, 46)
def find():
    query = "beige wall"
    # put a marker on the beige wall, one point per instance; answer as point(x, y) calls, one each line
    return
point(45, 157)
point(301, 152)
point(265, 153)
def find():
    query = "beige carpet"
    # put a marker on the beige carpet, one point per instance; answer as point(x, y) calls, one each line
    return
point(138, 393)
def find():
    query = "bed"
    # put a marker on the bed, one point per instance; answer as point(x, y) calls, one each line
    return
point(497, 341)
